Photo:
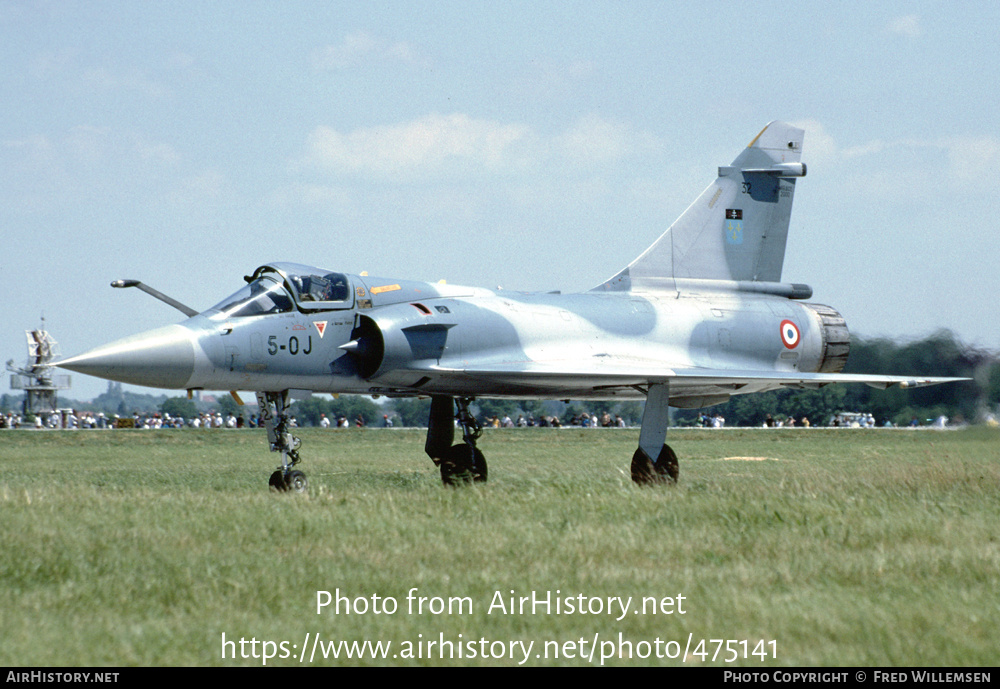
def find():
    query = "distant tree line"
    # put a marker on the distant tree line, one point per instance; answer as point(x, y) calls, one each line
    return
point(940, 354)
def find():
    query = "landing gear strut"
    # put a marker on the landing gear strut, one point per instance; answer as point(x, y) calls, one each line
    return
point(463, 462)
point(654, 462)
point(273, 412)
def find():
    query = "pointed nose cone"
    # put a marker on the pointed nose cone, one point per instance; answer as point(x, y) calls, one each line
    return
point(161, 358)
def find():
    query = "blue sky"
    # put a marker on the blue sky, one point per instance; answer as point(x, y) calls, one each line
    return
point(533, 145)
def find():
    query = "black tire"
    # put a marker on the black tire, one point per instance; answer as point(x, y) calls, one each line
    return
point(296, 482)
point(277, 482)
point(647, 473)
point(462, 465)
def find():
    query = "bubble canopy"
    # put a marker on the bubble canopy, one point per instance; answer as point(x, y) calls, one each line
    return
point(286, 287)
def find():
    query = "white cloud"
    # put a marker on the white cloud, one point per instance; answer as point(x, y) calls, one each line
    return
point(155, 152)
point(593, 140)
point(362, 48)
point(975, 159)
point(88, 143)
point(971, 163)
point(425, 145)
point(50, 64)
point(332, 197)
point(208, 184)
point(906, 25)
point(819, 146)
point(88, 162)
point(102, 79)
point(554, 81)
point(458, 143)
point(35, 152)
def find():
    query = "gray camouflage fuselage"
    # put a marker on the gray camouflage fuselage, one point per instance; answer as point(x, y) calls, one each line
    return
point(427, 338)
point(699, 316)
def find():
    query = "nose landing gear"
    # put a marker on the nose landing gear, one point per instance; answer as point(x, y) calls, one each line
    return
point(273, 412)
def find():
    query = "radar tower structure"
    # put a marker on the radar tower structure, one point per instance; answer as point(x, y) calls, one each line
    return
point(36, 378)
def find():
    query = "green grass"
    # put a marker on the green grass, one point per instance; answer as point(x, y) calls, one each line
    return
point(846, 547)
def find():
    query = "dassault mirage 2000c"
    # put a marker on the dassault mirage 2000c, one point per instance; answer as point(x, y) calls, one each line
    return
point(701, 315)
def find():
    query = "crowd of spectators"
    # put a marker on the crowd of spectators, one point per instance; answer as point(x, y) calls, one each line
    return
point(86, 420)
point(583, 420)
point(72, 419)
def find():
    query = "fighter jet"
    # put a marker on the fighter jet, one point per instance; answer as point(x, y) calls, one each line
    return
point(700, 316)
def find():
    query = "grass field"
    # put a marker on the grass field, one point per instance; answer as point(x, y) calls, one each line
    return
point(842, 547)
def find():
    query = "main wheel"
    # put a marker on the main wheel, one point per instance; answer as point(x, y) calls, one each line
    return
point(463, 464)
point(277, 482)
point(296, 481)
point(665, 470)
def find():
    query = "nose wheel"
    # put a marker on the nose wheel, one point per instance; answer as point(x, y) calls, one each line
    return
point(273, 412)
point(294, 481)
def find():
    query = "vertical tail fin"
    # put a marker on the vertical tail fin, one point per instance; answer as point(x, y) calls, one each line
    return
point(736, 230)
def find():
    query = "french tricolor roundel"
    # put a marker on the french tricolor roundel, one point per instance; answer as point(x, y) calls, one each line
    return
point(790, 334)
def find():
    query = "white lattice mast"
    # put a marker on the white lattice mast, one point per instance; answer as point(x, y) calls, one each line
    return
point(36, 378)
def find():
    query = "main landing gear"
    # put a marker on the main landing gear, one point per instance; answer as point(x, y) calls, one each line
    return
point(460, 463)
point(655, 419)
point(653, 462)
point(273, 412)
